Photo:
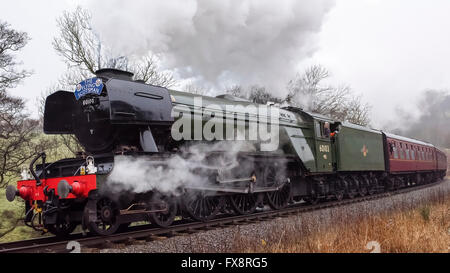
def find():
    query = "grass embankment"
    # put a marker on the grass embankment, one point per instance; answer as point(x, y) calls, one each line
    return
point(424, 227)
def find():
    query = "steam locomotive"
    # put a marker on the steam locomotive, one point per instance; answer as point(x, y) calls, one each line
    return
point(115, 117)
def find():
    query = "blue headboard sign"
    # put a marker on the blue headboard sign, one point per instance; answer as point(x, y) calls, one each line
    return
point(89, 86)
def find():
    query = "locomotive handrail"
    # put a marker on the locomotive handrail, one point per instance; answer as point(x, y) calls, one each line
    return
point(33, 173)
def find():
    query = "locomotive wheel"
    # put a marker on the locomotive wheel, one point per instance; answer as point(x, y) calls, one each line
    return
point(339, 194)
point(106, 223)
point(389, 185)
point(63, 226)
point(277, 199)
point(362, 190)
point(164, 218)
point(313, 199)
point(396, 183)
point(350, 192)
point(201, 207)
point(244, 203)
point(372, 186)
point(339, 190)
point(370, 190)
point(419, 180)
point(351, 188)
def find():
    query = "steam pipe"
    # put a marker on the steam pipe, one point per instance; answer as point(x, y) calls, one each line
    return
point(33, 173)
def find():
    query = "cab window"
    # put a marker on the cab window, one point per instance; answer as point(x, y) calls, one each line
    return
point(320, 131)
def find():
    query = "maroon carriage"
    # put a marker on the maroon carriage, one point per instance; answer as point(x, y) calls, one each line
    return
point(410, 155)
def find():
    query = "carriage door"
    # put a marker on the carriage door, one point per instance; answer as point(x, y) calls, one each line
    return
point(323, 148)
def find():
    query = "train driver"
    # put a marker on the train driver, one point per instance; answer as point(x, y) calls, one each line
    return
point(326, 129)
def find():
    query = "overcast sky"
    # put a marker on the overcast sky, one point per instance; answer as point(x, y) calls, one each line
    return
point(387, 50)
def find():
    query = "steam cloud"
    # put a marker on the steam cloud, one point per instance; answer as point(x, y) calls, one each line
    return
point(432, 121)
point(187, 169)
point(219, 43)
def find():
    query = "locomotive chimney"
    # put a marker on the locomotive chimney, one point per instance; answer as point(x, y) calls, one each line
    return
point(114, 73)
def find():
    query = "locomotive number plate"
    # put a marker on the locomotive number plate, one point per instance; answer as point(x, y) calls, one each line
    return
point(91, 101)
point(324, 148)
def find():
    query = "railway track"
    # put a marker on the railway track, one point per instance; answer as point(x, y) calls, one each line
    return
point(148, 232)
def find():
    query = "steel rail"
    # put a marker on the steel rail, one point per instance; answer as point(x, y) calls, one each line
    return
point(148, 232)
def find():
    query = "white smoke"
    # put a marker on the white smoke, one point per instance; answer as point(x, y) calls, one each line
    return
point(219, 43)
point(187, 169)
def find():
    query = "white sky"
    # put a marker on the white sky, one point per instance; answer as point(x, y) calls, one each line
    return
point(387, 50)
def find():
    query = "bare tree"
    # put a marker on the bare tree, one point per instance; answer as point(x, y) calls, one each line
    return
point(16, 135)
point(17, 132)
point(194, 89)
point(146, 69)
point(19, 140)
point(259, 94)
point(356, 111)
point(236, 90)
point(254, 93)
point(309, 92)
point(84, 52)
point(77, 43)
point(11, 41)
point(16, 129)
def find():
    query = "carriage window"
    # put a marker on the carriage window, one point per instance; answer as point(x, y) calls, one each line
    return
point(407, 152)
point(413, 153)
point(402, 156)
point(394, 148)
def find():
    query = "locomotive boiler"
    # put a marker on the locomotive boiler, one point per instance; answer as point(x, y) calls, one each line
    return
point(116, 118)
